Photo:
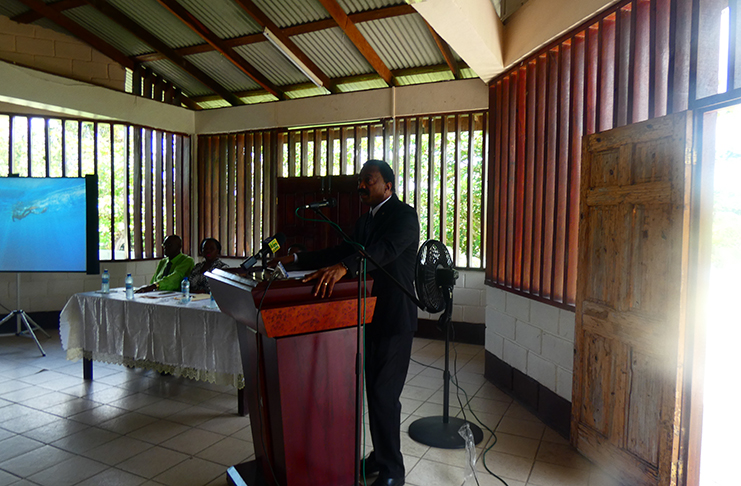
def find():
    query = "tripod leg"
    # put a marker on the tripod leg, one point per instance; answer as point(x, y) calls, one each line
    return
point(30, 330)
point(7, 318)
point(35, 326)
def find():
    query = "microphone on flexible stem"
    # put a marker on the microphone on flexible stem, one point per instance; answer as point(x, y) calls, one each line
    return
point(269, 245)
point(327, 203)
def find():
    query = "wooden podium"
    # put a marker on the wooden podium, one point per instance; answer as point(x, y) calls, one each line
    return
point(299, 359)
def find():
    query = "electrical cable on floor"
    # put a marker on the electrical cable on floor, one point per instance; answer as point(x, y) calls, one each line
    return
point(454, 381)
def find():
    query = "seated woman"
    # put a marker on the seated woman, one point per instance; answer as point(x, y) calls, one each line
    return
point(210, 251)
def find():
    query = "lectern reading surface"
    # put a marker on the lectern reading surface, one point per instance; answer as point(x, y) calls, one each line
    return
point(299, 366)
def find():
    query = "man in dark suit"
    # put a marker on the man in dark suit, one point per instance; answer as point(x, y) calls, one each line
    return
point(389, 232)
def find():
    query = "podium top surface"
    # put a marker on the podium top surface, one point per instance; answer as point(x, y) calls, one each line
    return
point(289, 307)
point(281, 293)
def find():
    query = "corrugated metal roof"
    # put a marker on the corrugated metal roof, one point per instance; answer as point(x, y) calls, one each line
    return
point(224, 18)
point(159, 21)
point(287, 13)
point(333, 52)
point(48, 24)
point(468, 73)
point(434, 77)
point(187, 83)
point(257, 97)
point(108, 30)
point(223, 71)
point(353, 6)
point(11, 8)
point(362, 85)
point(402, 42)
point(209, 105)
point(271, 63)
point(306, 92)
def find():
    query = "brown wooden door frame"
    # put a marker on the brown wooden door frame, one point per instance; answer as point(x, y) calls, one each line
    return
point(699, 276)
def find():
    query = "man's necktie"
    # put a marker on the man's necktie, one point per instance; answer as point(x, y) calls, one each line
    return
point(167, 268)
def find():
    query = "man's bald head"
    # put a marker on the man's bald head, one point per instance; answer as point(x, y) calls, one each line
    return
point(172, 245)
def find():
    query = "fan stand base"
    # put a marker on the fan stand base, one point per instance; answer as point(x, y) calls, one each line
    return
point(434, 432)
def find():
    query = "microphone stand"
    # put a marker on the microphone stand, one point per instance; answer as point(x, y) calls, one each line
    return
point(363, 257)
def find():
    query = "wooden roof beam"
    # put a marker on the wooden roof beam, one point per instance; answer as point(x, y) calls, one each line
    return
point(206, 34)
point(445, 51)
point(439, 68)
point(360, 42)
point(33, 15)
point(80, 32)
point(127, 23)
point(265, 22)
point(368, 15)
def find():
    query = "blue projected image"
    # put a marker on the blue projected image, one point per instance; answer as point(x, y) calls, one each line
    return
point(42, 225)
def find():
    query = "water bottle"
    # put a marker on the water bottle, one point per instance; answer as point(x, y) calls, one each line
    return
point(105, 286)
point(129, 286)
point(185, 289)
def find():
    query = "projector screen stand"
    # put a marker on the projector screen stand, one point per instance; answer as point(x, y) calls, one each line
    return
point(22, 317)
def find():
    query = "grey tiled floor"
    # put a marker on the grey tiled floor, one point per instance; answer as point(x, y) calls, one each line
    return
point(135, 427)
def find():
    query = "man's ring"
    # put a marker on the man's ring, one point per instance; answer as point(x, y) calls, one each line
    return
point(325, 283)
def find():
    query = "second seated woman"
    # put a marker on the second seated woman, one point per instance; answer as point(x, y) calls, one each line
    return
point(210, 251)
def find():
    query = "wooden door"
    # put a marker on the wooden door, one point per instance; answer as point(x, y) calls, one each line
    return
point(631, 299)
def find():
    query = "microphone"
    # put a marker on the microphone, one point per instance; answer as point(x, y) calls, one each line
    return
point(269, 245)
point(327, 203)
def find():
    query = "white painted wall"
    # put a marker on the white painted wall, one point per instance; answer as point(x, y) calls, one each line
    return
point(538, 22)
point(28, 88)
point(450, 96)
point(535, 338)
point(469, 298)
point(50, 291)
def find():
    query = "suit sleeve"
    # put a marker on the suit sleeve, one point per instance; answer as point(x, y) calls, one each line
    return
point(389, 240)
point(312, 260)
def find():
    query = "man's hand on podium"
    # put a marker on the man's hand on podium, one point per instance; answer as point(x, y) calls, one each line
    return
point(326, 278)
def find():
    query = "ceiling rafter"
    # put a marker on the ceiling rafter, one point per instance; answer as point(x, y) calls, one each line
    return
point(445, 51)
point(265, 22)
point(80, 32)
point(439, 68)
point(127, 23)
point(206, 34)
point(32, 15)
point(368, 15)
point(361, 43)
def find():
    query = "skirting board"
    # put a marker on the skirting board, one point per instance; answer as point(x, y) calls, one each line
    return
point(463, 332)
point(552, 409)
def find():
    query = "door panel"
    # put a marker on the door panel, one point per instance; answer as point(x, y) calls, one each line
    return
point(631, 300)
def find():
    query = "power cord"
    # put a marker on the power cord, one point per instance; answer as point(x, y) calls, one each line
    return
point(454, 381)
point(1, 305)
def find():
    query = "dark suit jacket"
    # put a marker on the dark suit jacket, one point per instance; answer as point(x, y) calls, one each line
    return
point(392, 240)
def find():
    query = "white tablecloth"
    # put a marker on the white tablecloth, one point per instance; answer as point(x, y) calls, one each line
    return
point(153, 331)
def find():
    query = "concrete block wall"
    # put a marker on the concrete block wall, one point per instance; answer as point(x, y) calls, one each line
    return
point(469, 299)
point(533, 337)
point(50, 291)
point(49, 51)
